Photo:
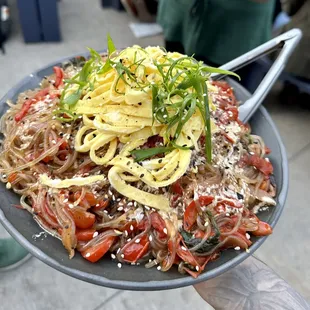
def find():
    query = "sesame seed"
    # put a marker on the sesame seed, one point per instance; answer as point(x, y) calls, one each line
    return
point(158, 268)
point(206, 224)
point(87, 255)
point(113, 256)
point(118, 199)
point(118, 250)
point(150, 238)
point(119, 265)
point(247, 236)
point(113, 197)
point(122, 255)
point(165, 230)
point(135, 203)
point(131, 227)
point(126, 233)
point(247, 250)
point(129, 239)
point(183, 248)
point(237, 248)
point(129, 204)
point(71, 205)
point(147, 208)
point(8, 185)
point(120, 209)
point(227, 214)
point(95, 234)
point(197, 268)
point(165, 116)
point(204, 95)
point(137, 240)
point(65, 200)
point(110, 193)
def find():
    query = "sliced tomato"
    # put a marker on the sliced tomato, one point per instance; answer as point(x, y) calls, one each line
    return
point(59, 75)
point(176, 188)
point(205, 200)
point(89, 199)
point(64, 145)
point(158, 224)
point(94, 253)
point(190, 216)
point(259, 163)
point(101, 205)
point(134, 251)
point(82, 218)
point(264, 229)
point(85, 234)
point(130, 226)
point(47, 159)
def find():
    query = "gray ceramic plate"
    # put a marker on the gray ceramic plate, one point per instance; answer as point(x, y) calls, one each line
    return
point(106, 273)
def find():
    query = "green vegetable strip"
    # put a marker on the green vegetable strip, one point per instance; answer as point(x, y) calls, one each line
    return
point(208, 143)
point(142, 154)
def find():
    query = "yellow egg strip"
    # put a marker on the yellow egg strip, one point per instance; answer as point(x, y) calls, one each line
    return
point(119, 116)
point(159, 202)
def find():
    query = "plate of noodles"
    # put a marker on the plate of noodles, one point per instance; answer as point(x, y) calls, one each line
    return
point(131, 169)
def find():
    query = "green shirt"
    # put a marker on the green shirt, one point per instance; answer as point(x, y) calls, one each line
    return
point(218, 30)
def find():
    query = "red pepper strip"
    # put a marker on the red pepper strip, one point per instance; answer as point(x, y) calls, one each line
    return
point(12, 177)
point(85, 234)
point(29, 102)
point(133, 251)
point(188, 257)
point(26, 106)
point(158, 224)
point(59, 76)
point(205, 200)
point(176, 188)
point(95, 252)
point(190, 216)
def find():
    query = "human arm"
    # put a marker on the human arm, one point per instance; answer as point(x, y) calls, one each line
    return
point(251, 285)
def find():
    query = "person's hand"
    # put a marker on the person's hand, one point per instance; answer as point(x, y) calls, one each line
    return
point(250, 285)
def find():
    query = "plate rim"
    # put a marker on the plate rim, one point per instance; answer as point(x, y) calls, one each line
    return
point(149, 285)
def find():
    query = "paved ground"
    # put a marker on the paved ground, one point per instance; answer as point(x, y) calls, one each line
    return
point(37, 286)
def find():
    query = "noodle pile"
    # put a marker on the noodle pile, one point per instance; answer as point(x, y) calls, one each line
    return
point(139, 154)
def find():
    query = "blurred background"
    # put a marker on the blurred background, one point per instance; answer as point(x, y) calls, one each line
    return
point(34, 33)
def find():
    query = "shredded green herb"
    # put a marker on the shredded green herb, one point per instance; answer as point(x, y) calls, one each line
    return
point(209, 244)
point(142, 154)
point(175, 99)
